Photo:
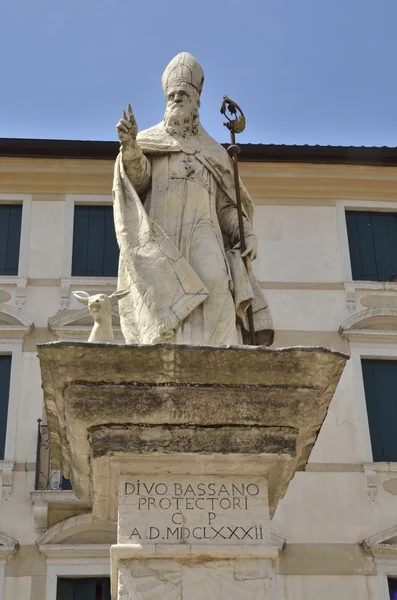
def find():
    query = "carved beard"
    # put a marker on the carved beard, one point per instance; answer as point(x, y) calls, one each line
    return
point(178, 122)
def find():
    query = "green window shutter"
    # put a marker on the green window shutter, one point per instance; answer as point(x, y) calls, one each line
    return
point(88, 588)
point(65, 589)
point(5, 371)
point(372, 244)
point(10, 237)
point(95, 249)
point(380, 384)
point(392, 588)
point(85, 589)
point(80, 241)
point(106, 589)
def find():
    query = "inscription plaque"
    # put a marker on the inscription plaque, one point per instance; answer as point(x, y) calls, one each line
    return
point(193, 510)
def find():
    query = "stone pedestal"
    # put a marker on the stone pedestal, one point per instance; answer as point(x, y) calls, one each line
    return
point(189, 449)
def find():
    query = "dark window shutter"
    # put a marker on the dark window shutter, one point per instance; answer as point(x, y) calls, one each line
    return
point(65, 589)
point(10, 237)
point(5, 371)
point(85, 589)
point(88, 588)
point(392, 588)
point(95, 249)
point(372, 244)
point(106, 589)
point(380, 384)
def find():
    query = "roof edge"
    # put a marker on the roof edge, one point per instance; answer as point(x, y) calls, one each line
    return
point(107, 150)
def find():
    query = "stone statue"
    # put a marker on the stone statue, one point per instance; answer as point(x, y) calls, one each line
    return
point(177, 228)
point(100, 307)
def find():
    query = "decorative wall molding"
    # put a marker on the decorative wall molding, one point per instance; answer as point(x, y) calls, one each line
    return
point(71, 526)
point(70, 550)
point(371, 470)
point(6, 467)
point(350, 298)
point(20, 284)
point(371, 484)
point(13, 324)
point(352, 287)
point(383, 544)
point(383, 547)
point(376, 323)
point(7, 545)
point(42, 500)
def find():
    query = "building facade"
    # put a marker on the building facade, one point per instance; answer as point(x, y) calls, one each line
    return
point(326, 219)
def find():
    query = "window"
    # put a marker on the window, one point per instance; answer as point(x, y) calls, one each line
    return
point(10, 235)
point(90, 588)
point(392, 588)
point(373, 245)
point(380, 384)
point(5, 371)
point(95, 249)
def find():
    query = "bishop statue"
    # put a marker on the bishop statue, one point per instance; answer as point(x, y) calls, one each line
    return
point(177, 228)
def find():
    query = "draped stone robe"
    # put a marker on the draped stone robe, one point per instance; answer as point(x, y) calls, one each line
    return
point(193, 213)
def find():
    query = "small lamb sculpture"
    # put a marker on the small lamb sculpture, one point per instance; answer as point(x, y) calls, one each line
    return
point(100, 307)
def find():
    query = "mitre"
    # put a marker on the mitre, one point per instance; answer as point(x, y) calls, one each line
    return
point(183, 68)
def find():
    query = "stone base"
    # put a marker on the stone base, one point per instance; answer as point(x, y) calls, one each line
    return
point(217, 579)
point(190, 449)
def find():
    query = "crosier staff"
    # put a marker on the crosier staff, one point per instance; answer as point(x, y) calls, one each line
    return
point(236, 124)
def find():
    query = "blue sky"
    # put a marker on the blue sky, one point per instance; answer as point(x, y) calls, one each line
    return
point(304, 71)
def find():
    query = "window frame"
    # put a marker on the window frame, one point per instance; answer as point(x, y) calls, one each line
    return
point(350, 284)
point(20, 280)
point(385, 568)
point(13, 348)
point(361, 351)
point(342, 206)
point(67, 280)
point(377, 464)
point(72, 567)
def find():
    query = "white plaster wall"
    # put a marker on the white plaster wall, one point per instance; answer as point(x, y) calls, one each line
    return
point(297, 243)
point(45, 255)
point(341, 439)
point(313, 587)
point(307, 310)
point(42, 302)
point(332, 507)
point(30, 408)
point(17, 588)
point(16, 519)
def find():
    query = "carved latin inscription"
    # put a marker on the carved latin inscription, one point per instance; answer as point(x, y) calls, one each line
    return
point(193, 510)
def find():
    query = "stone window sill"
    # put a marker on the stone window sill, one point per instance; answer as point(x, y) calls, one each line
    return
point(20, 284)
point(376, 286)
